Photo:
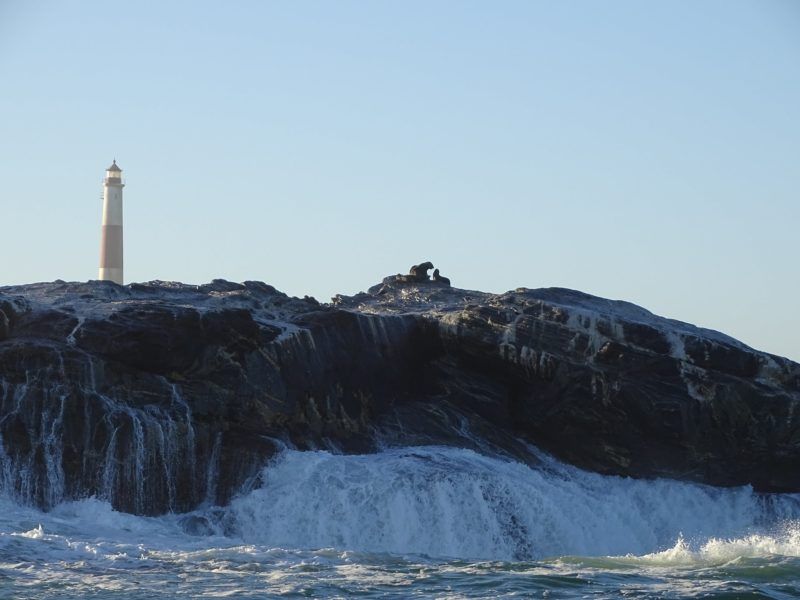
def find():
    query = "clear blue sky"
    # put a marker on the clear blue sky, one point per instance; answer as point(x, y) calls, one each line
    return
point(646, 151)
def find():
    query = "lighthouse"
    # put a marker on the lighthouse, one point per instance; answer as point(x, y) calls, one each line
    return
point(111, 238)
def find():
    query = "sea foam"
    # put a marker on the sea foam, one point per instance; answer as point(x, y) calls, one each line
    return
point(452, 502)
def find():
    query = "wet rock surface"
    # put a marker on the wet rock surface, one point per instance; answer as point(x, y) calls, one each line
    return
point(162, 396)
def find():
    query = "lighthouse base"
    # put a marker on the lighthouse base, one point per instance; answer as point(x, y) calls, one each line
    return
point(111, 274)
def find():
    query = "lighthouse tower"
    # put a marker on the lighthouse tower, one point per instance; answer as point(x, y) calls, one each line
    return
point(111, 240)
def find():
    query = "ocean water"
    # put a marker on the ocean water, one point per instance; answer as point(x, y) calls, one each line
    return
point(416, 522)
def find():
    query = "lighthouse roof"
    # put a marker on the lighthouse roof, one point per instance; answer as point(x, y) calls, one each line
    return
point(114, 166)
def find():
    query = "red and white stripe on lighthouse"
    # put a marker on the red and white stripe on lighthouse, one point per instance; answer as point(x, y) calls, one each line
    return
point(111, 240)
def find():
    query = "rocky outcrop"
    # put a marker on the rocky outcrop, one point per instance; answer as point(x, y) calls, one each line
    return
point(417, 275)
point(439, 278)
point(161, 396)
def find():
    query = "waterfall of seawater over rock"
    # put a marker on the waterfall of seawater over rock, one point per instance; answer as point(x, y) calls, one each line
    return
point(65, 438)
point(442, 501)
point(439, 501)
point(141, 457)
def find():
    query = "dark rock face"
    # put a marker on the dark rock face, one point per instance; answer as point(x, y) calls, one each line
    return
point(5, 326)
point(161, 396)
